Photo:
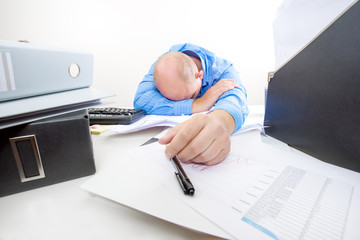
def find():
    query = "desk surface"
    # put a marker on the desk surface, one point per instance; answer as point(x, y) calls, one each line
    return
point(65, 211)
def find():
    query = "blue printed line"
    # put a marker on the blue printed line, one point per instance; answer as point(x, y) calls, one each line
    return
point(264, 230)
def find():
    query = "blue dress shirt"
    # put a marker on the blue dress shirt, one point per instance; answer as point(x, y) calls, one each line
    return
point(149, 99)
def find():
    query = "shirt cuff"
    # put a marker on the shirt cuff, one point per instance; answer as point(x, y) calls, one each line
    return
point(239, 116)
point(183, 107)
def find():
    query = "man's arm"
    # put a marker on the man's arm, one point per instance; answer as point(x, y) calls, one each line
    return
point(227, 94)
point(205, 138)
point(211, 96)
point(234, 100)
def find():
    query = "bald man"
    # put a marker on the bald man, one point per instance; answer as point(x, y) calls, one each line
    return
point(190, 79)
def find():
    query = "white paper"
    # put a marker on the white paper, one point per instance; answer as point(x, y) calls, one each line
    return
point(230, 193)
point(149, 121)
point(251, 169)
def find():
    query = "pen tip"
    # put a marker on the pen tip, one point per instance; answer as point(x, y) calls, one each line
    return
point(191, 192)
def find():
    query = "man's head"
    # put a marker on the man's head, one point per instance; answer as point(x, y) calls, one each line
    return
point(177, 77)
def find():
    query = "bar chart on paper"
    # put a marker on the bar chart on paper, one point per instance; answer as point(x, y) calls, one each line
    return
point(301, 205)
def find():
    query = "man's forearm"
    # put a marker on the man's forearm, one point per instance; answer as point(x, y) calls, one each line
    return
point(207, 101)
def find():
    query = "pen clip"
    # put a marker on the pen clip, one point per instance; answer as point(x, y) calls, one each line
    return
point(181, 182)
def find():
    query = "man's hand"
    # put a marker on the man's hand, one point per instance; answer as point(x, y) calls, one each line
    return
point(203, 139)
point(210, 97)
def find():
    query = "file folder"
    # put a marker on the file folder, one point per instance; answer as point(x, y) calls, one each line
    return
point(31, 109)
point(37, 82)
point(28, 70)
point(313, 100)
point(45, 152)
point(44, 126)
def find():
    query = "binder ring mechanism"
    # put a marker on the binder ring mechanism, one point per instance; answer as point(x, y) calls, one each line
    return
point(27, 157)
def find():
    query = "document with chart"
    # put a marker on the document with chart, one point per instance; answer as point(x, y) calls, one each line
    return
point(260, 192)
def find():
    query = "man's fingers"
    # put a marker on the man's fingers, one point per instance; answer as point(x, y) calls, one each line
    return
point(214, 160)
point(228, 83)
point(215, 153)
point(201, 143)
point(166, 139)
point(202, 139)
point(181, 135)
point(225, 85)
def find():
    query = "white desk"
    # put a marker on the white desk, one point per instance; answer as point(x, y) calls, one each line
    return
point(65, 211)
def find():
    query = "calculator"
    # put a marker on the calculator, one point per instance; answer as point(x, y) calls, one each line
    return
point(114, 115)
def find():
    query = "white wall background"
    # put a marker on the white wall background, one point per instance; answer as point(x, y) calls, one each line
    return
point(126, 37)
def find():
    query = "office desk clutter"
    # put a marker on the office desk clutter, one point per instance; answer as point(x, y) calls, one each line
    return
point(151, 121)
point(44, 128)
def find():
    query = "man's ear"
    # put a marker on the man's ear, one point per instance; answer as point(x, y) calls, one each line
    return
point(200, 74)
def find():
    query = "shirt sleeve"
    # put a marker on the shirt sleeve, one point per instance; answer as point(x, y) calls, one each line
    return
point(149, 99)
point(234, 101)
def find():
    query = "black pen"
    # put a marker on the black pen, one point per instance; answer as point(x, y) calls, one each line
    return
point(181, 176)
